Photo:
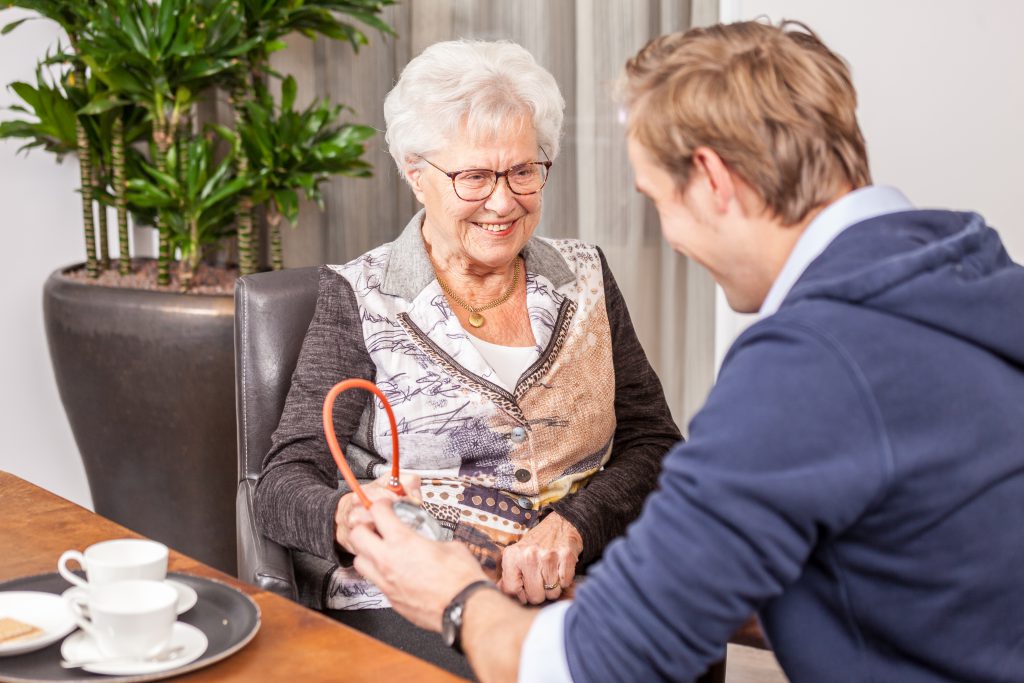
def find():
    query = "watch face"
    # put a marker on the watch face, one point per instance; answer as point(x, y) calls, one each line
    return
point(451, 623)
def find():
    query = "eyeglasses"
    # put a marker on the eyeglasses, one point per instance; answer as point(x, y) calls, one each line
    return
point(477, 184)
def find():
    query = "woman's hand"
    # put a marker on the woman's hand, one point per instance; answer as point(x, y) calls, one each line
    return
point(542, 563)
point(375, 490)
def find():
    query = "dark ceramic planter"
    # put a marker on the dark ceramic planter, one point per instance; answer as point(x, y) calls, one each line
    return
point(147, 382)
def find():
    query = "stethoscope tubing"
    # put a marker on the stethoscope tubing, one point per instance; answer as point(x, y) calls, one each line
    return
point(394, 485)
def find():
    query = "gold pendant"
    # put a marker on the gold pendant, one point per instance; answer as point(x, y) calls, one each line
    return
point(476, 320)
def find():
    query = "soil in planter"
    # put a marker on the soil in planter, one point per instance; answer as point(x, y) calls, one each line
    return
point(207, 280)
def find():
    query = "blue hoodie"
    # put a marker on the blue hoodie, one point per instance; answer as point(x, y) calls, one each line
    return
point(856, 477)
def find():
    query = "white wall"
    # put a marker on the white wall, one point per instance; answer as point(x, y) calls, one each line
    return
point(39, 228)
point(941, 85)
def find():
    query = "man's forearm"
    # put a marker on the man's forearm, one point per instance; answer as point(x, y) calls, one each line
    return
point(493, 630)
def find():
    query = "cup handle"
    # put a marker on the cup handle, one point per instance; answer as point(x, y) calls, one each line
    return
point(83, 621)
point(66, 573)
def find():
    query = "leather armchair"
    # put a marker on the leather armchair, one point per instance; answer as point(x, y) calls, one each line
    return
point(272, 313)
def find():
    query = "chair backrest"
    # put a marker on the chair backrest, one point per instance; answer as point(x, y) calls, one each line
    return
point(272, 313)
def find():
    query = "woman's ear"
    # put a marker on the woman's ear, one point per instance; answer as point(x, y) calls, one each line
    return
point(414, 176)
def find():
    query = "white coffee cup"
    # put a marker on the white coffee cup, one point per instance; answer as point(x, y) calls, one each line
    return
point(117, 560)
point(132, 619)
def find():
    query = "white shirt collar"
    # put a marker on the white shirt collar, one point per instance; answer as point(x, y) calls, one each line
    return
point(850, 209)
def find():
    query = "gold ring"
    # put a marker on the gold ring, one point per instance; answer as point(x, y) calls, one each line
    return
point(556, 584)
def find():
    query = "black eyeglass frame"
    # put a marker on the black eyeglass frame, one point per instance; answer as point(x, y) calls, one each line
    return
point(498, 175)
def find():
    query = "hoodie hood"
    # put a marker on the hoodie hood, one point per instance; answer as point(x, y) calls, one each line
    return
point(943, 269)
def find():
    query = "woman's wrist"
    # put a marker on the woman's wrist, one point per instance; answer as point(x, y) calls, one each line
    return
point(341, 529)
point(572, 534)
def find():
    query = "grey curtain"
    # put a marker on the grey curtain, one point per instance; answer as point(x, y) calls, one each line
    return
point(590, 196)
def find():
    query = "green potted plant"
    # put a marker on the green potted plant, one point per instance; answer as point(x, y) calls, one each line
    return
point(143, 348)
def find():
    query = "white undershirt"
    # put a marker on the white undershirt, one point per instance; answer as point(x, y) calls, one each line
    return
point(508, 362)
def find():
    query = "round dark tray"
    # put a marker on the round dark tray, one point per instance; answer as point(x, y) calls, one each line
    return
point(228, 617)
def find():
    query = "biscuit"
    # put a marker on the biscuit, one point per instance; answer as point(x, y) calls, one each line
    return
point(12, 630)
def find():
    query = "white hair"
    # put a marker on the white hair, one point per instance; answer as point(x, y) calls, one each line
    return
point(488, 87)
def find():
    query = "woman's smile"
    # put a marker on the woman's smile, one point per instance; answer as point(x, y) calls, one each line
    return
point(497, 229)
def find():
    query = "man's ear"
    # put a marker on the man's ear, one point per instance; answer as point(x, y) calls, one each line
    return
point(719, 178)
point(414, 176)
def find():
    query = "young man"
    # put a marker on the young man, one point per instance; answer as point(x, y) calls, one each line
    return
point(857, 474)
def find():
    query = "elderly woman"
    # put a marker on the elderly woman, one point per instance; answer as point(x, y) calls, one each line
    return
point(524, 401)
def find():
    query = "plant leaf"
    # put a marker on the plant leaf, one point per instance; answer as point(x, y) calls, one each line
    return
point(27, 93)
point(231, 188)
point(288, 92)
point(102, 103)
point(287, 203)
point(275, 45)
point(13, 25)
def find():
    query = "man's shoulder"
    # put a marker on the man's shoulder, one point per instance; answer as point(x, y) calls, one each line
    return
point(809, 327)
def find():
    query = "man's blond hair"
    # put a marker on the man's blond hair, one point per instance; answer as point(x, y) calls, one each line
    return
point(773, 102)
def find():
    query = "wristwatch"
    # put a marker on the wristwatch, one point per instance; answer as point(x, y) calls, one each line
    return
point(451, 619)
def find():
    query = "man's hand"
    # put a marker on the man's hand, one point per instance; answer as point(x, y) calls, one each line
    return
point(375, 490)
point(420, 577)
point(542, 563)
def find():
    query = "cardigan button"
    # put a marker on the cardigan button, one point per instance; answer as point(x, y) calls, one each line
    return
point(523, 476)
point(525, 503)
point(518, 435)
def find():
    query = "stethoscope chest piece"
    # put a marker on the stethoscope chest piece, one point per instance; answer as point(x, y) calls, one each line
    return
point(418, 519)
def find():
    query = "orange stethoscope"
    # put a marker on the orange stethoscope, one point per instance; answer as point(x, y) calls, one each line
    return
point(410, 513)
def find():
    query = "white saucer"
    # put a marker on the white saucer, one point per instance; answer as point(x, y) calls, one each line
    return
point(43, 610)
point(187, 597)
point(80, 645)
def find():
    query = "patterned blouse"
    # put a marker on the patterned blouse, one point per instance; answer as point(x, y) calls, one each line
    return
point(582, 433)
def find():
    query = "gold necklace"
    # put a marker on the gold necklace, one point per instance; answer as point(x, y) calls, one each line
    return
point(475, 318)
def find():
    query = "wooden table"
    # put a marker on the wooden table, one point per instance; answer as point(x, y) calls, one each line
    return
point(293, 643)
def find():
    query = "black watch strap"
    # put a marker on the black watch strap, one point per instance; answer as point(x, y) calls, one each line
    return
point(451, 619)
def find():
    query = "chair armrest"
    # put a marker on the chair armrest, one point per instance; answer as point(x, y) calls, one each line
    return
point(261, 562)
